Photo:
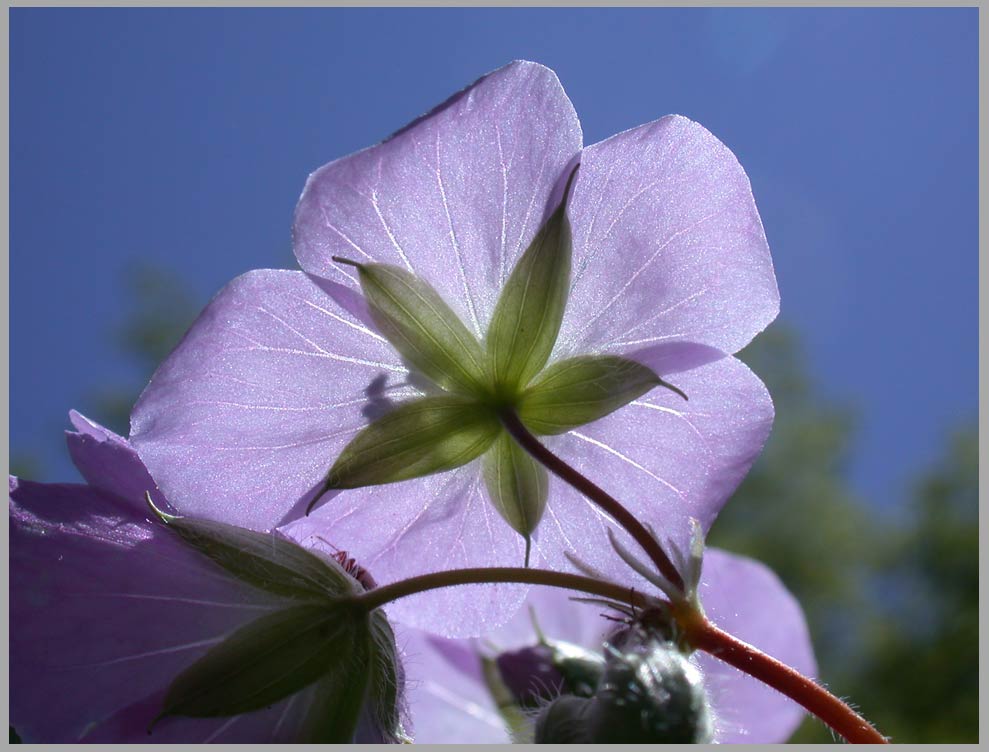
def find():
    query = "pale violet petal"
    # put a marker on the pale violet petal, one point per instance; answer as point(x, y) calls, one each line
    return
point(448, 700)
point(668, 244)
point(430, 524)
point(456, 196)
point(745, 598)
point(665, 459)
point(108, 461)
point(265, 390)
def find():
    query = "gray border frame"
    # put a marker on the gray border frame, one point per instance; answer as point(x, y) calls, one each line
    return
point(983, 21)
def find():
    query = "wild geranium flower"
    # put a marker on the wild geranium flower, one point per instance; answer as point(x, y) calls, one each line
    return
point(129, 628)
point(493, 689)
point(457, 271)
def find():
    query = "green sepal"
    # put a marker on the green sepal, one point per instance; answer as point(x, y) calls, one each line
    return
point(517, 486)
point(267, 561)
point(421, 326)
point(386, 682)
point(338, 699)
point(514, 718)
point(375, 687)
point(273, 657)
point(417, 438)
point(579, 390)
point(527, 317)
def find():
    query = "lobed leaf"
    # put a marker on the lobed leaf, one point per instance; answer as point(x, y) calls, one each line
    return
point(422, 327)
point(417, 438)
point(517, 486)
point(583, 389)
point(529, 312)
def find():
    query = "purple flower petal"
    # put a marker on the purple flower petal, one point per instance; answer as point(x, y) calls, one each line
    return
point(671, 267)
point(746, 599)
point(282, 722)
point(557, 616)
point(107, 461)
point(428, 524)
point(448, 700)
point(665, 459)
point(455, 196)
point(105, 606)
point(668, 245)
point(271, 382)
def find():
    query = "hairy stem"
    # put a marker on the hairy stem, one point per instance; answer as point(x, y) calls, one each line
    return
point(705, 636)
point(595, 493)
point(377, 597)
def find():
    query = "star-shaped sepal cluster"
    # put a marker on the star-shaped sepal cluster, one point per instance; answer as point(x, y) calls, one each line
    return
point(474, 385)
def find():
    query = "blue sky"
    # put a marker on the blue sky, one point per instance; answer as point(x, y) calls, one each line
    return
point(184, 137)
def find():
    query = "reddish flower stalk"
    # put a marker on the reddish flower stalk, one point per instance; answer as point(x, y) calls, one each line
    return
point(700, 632)
point(836, 713)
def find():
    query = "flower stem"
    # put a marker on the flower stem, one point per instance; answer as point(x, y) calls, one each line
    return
point(595, 493)
point(379, 596)
point(705, 636)
point(701, 633)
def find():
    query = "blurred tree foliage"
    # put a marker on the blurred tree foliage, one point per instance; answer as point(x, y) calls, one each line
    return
point(890, 596)
point(162, 309)
point(921, 668)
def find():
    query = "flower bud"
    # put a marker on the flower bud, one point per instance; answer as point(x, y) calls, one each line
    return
point(564, 721)
point(649, 693)
point(544, 671)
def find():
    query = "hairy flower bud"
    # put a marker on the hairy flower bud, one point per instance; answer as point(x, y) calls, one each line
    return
point(564, 721)
point(539, 673)
point(649, 693)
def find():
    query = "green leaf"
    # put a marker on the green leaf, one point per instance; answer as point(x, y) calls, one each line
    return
point(421, 326)
point(273, 657)
point(528, 314)
point(517, 486)
point(415, 439)
point(579, 390)
point(266, 560)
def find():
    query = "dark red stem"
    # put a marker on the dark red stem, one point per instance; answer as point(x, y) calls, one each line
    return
point(595, 493)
